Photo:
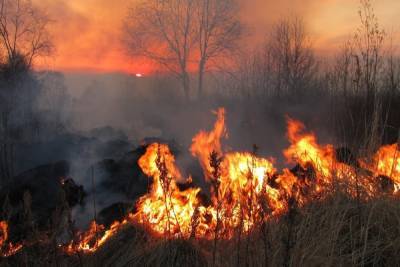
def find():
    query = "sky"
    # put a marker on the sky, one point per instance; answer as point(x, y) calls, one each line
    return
point(87, 34)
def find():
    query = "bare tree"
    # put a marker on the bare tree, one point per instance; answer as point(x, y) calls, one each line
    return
point(183, 35)
point(291, 55)
point(23, 31)
point(219, 32)
point(367, 50)
point(164, 32)
point(358, 80)
point(253, 75)
point(23, 37)
point(283, 66)
point(368, 63)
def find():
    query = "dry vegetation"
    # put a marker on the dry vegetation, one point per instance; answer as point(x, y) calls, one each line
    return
point(338, 231)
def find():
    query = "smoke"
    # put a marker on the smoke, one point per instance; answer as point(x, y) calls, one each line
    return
point(97, 119)
point(153, 107)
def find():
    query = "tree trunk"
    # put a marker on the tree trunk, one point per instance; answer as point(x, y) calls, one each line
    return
point(5, 150)
point(6, 163)
point(201, 78)
point(186, 85)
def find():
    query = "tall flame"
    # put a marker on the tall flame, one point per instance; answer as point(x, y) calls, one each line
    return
point(245, 189)
point(165, 208)
point(305, 150)
point(204, 143)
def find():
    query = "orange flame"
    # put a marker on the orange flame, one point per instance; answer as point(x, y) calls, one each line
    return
point(165, 209)
point(386, 162)
point(243, 180)
point(7, 249)
point(305, 150)
point(204, 143)
point(95, 237)
point(245, 189)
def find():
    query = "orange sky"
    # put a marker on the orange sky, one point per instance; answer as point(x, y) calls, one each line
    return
point(87, 33)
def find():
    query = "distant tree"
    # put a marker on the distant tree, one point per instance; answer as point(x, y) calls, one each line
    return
point(23, 31)
point(292, 57)
point(367, 56)
point(183, 35)
point(23, 38)
point(364, 79)
point(283, 66)
point(219, 33)
point(52, 102)
point(163, 31)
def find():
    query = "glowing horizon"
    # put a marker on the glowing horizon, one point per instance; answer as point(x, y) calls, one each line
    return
point(87, 33)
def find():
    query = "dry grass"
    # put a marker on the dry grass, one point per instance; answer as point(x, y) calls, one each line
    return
point(332, 232)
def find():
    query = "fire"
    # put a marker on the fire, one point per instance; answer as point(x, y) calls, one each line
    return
point(238, 168)
point(386, 162)
point(165, 209)
point(204, 143)
point(320, 170)
point(95, 237)
point(7, 249)
point(243, 181)
point(4, 232)
point(170, 211)
point(315, 164)
point(305, 150)
point(246, 189)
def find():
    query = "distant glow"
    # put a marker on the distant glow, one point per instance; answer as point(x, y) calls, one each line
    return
point(139, 75)
point(95, 29)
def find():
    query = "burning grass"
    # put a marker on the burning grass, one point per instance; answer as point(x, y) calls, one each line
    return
point(246, 190)
point(325, 211)
point(338, 231)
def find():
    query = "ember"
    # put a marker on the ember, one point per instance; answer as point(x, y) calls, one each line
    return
point(7, 249)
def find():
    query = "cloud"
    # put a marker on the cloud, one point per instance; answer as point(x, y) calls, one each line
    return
point(87, 33)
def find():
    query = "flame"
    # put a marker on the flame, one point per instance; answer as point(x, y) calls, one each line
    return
point(204, 143)
point(305, 150)
point(7, 249)
point(95, 237)
point(243, 180)
point(245, 189)
point(386, 162)
point(165, 209)
point(321, 170)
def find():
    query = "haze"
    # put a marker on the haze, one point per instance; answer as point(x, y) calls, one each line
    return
point(87, 33)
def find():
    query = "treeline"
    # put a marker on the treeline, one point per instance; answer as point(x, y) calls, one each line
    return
point(360, 85)
point(200, 44)
point(24, 112)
